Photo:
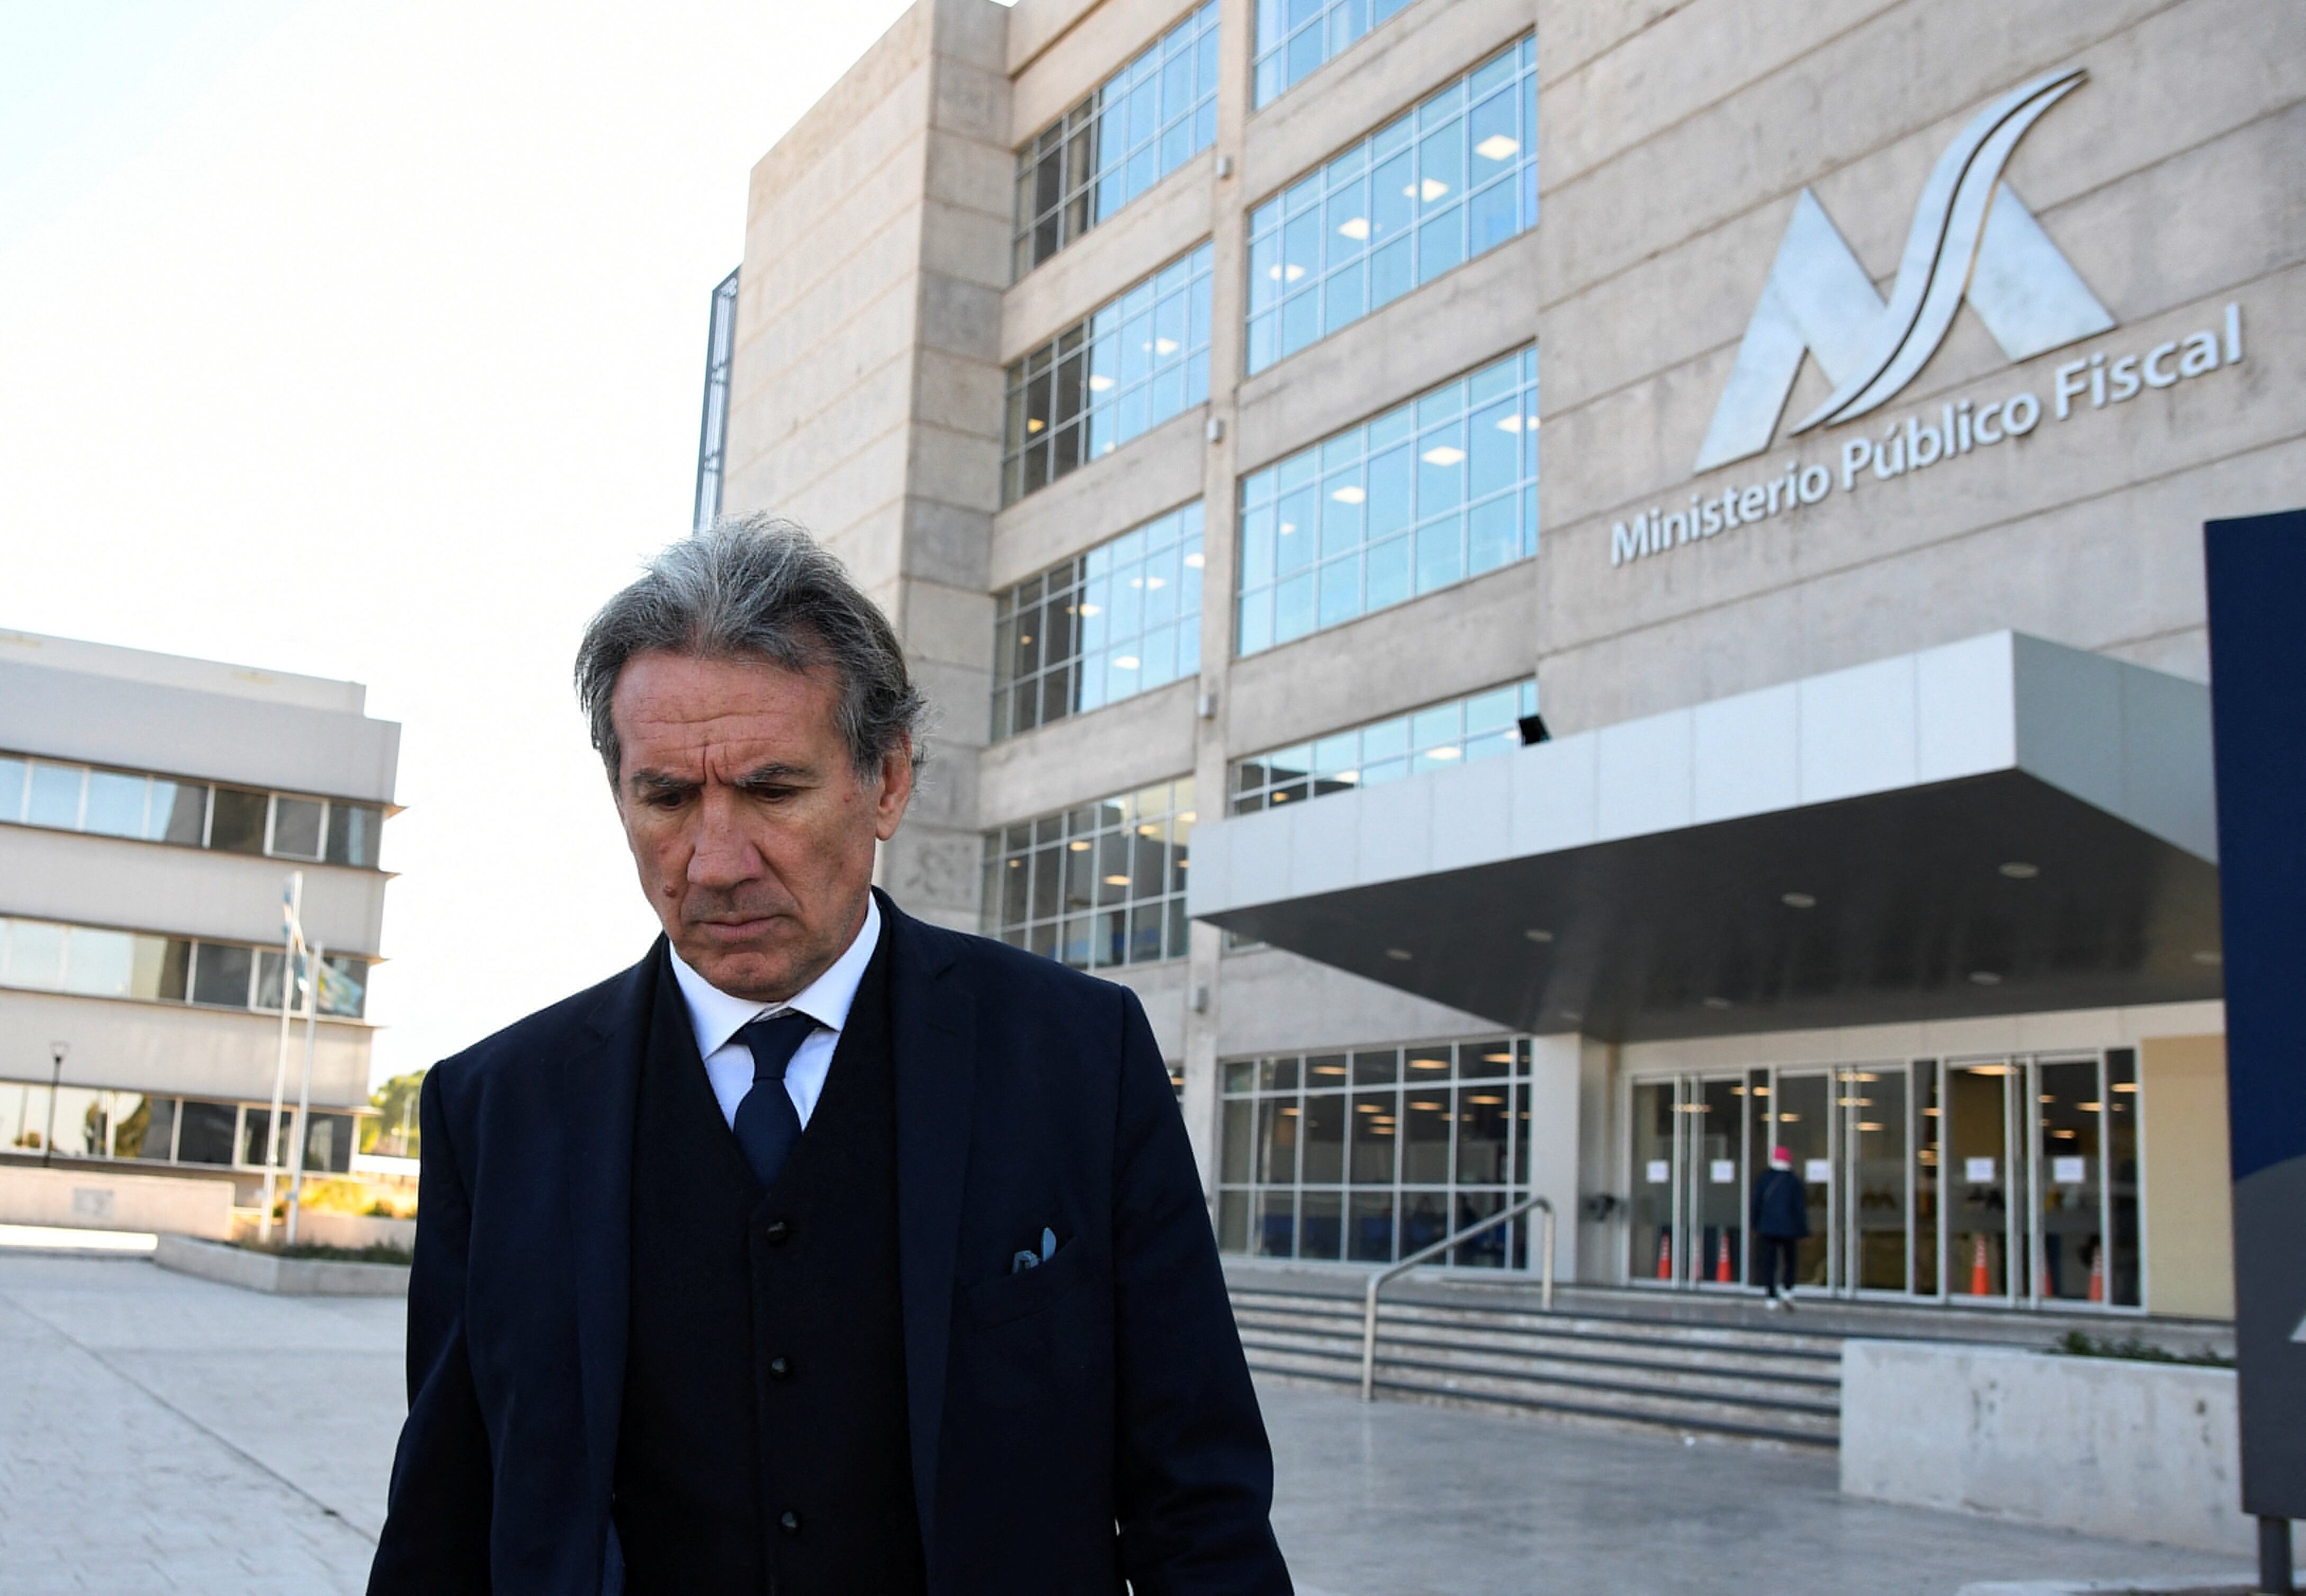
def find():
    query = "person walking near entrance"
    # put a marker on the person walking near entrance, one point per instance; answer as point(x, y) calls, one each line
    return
point(1781, 1220)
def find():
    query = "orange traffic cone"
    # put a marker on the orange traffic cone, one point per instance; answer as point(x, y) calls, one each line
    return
point(1981, 1282)
point(1665, 1255)
point(1721, 1262)
point(2097, 1276)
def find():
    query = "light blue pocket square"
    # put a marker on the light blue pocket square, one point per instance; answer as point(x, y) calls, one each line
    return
point(1026, 1258)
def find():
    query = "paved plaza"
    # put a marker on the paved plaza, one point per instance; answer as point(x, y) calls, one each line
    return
point(159, 1433)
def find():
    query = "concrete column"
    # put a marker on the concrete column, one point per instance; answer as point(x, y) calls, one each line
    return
point(1229, 247)
point(1555, 1115)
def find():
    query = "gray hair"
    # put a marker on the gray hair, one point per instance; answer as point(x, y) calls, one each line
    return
point(755, 587)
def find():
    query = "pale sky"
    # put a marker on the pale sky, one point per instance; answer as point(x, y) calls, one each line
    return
point(366, 341)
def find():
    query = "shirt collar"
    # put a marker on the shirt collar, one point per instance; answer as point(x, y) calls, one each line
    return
point(716, 1017)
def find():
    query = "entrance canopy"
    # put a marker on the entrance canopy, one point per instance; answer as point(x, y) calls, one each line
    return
point(1999, 825)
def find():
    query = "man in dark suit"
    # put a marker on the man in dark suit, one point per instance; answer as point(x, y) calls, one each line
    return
point(823, 1251)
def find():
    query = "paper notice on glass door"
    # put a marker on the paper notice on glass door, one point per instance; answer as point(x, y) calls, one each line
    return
point(2069, 1172)
point(1977, 1172)
point(1723, 1172)
point(1659, 1172)
point(1818, 1171)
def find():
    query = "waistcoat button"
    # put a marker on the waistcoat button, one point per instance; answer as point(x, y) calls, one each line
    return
point(780, 1367)
point(777, 1231)
point(790, 1522)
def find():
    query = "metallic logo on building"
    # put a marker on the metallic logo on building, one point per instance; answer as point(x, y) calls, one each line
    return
point(1972, 238)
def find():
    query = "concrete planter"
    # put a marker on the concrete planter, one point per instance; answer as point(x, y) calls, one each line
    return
point(103, 1199)
point(354, 1230)
point(282, 1276)
point(2106, 1446)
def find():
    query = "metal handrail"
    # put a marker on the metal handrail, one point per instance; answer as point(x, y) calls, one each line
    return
point(1377, 1281)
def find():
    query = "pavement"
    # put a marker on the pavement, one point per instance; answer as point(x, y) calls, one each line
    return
point(160, 1433)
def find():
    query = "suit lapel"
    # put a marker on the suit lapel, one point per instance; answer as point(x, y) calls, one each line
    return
point(933, 1024)
point(599, 1089)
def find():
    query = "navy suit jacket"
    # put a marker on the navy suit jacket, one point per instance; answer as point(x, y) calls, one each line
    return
point(1071, 1425)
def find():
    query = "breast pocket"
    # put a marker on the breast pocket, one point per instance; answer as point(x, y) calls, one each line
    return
point(1008, 1297)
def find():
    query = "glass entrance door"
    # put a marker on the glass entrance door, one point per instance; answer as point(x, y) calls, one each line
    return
point(1689, 1182)
point(2010, 1182)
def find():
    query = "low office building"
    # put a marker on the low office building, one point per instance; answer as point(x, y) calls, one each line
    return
point(1573, 593)
point(152, 812)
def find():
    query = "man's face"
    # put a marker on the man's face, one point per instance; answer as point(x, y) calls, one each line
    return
point(752, 830)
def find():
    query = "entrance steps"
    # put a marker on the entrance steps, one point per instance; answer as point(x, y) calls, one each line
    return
point(1690, 1362)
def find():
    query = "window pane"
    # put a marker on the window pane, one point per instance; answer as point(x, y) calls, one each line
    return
point(116, 804)
point(354, 831)
point(297, 828)
point(100, 963)
point(159, 968)
point(237, 824)
point(179, 813)
point(35, 954)
point(12, 772)
point(143, 1127)
point(1325, 1138)
point(220, 974)
point(56, 795)
point(207, 1133)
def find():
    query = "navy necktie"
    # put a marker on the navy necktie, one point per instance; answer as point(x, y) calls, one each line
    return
point(767, 1124)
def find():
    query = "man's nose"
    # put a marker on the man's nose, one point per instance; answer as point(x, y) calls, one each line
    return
point(723, 857)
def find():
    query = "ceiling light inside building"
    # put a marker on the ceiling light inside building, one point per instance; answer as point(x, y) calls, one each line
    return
point(1355, 227)
point(1125, 661)
point(1797, 900)
point(1287, 527)
point(1398, 955)
point(1511, 424)
point(1717, 1003)
point(1078, 846)
point(2019, 870)
point(1985, 977)
point(1285, 274)
point(1442, 455)
point(1165, 346)
point(1034, 423)
point(1117, 881)
point(1092, 608)
point(1443, 753)
point(1100, 383)
point(1429, 191)
point(1348, 495)
point(1536, 933)
point(1193, 561)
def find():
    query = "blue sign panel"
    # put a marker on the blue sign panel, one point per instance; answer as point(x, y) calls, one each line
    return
point(2257, 574)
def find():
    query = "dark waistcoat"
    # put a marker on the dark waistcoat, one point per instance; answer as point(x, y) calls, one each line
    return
point(763, 1445)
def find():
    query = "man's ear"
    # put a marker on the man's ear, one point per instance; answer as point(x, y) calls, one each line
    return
point(896, 784)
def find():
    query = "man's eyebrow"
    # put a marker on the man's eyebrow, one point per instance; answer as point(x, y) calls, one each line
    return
point(656, 781)
point(775, 773)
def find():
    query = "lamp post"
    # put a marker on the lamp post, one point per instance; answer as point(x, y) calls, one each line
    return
point(56, 1051)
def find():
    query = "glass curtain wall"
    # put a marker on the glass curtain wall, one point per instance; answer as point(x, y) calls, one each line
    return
point(2010, 1182)
point(1365, 1157)
point(712, 443)
point(1142, 124)
point(134, 804)
point(1424, 194)
point(1119, 620)
point(1293, 37)
point(1133, 362)
point(1479, 726)
point(96, 961)
point(103, 1123)
point(1430, 493)
point(1098, 886)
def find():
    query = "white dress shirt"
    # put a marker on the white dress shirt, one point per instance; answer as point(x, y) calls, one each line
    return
point(716, 1017)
